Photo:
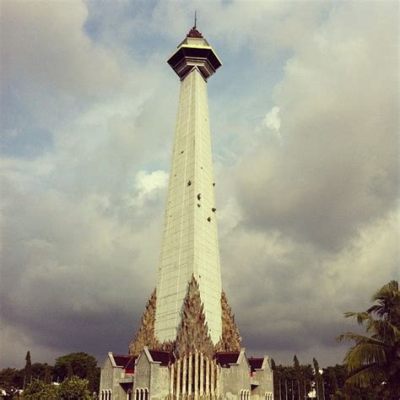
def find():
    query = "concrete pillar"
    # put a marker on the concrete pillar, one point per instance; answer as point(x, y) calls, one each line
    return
point(217, 380)
point(184, 376)
point(178, 379)
point(190, 373)
point(201, 374)
point(171, 383)
point(212, 378)
point(207, 376)
point(196, 375)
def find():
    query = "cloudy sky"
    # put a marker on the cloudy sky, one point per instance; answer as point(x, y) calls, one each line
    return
point(304, 117)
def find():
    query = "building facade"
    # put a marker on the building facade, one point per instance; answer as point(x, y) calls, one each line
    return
point(158, 375)
point(188, 345)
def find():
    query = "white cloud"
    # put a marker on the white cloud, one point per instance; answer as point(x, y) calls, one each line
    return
point(229, 217)
point(272, 120)
point(148, 186)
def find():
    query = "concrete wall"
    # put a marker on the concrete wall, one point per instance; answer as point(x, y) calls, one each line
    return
point(235, 379)
point(142, 372)
point(160, 382)
point(106, 375)
point(109, 380)
point(264, 378)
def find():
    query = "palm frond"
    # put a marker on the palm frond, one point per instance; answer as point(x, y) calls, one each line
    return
point(389, 290)
point(365, 376)
point(360, 339)
point(365, 354)
point(388, 299)
point(361, 317)
point(384, 330)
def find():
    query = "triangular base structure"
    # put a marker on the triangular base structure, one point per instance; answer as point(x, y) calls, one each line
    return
point(193, 331)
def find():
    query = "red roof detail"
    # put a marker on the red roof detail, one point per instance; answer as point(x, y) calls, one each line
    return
point(226, 358)
point(121, 360)
point(255, 363)
point(126, 362)
point(194, 33)
point(130, 366)
point(164, 357)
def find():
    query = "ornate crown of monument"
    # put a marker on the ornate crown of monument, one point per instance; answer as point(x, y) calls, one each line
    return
point(194, 51)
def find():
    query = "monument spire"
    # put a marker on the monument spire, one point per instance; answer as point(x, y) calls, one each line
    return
point(190, 239)
point(188, 345)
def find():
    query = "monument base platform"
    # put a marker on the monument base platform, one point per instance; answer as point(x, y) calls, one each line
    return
point(158, 375)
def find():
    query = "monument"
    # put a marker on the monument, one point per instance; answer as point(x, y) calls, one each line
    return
point(188, 345)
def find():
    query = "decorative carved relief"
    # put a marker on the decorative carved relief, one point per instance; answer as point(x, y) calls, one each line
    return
point(145, 335)
point(230, 340)
point(193, 330)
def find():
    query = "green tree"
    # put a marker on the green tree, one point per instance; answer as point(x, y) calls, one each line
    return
point(277, 377)
point(39, 371)
point(28, 369)
point(318, 380)
point(38, 390)
point(47, 378)
point(298, 378)
point(70, 371)
point(301, 377)
point(82, 365)
point(74, 389)
point(374, 360)
point(333, 381)
point(307, 373)
point(11, 379)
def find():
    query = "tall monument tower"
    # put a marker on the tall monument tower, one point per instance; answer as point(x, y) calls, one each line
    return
point(188, 310)
point(190, 239)
point(188, 346)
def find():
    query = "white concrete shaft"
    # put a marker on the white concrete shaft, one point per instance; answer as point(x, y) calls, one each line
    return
point(190, 239)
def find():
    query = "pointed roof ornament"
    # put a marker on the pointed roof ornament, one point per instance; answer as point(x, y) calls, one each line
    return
point(194, 33)
point(194, 51)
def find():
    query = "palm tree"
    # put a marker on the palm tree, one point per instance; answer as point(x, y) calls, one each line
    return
point(374, 360)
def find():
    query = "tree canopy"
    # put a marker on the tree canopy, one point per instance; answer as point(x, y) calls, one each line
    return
point(79, 364)
point(28, 369)
point(72, 388)
point(38, 390)
point(41, 375)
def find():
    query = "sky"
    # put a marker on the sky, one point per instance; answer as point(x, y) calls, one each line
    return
point(304, 120)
